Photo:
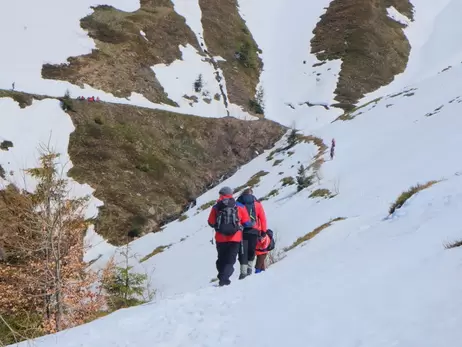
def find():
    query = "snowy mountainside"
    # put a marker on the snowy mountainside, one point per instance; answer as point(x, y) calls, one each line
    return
point(372, 278)
point(159, 55)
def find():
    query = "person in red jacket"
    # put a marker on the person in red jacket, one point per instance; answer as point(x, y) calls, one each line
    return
point(251, 235)
point(228, 218)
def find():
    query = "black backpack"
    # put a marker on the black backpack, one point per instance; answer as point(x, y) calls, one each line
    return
point(227, 217)
point(272, 242)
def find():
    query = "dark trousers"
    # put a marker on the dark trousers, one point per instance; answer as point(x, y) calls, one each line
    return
point(261, 259)
point(247, 252)
point(227, 254)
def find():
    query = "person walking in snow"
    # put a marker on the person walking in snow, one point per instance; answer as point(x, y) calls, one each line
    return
point(264, 245)
point(332, 149)
point(228, 217)
point(250, 235)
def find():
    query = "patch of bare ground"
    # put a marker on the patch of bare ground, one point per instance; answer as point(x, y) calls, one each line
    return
point(372, 46)
point(226, 35)
point(122, 62)
point(23, 99)
point(146, 165)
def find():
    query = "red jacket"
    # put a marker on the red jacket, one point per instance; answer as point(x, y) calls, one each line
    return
point(260, 222)
point(244, 219)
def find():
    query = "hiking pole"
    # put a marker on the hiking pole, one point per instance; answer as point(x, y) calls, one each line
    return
point(213, 234)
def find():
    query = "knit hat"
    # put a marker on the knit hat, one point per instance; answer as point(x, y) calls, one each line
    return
point(226, 191)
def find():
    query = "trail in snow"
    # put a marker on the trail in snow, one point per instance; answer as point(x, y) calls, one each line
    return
point(391, 284)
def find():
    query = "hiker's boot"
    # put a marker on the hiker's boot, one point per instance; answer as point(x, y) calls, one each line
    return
point(250, 267)
point(244, 270)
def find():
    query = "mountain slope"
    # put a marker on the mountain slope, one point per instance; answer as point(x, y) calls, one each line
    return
point(344, 262)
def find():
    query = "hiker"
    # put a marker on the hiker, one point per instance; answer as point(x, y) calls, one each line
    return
point(228, 218)
point(261, 251)
point(332, 149)
point(250, 235)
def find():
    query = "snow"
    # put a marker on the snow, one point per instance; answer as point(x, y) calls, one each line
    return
point(373, 279)
point(430, 36)
point(192, 12)
point(43, 124)
point(29, 30)
point(285, 43)
point(394, 14)
point(178, 80)
point(142, 33)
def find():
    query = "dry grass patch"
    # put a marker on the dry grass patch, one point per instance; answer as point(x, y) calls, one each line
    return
point(156, 251)
point(321, 193)
point(23, 99)
point(407, 194)
point(122, 62)
point(183, 217)
point(207, 205)
point(272, 193)
point(227, 35)
point(348, 115)
point(148, 165)
point(312, 234)
point(277, 162)
point(288, 181)
point(371, 45)
point(252, 182)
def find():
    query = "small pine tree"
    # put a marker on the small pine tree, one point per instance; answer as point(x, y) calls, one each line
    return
point(198, 84)
point(67, 103)
point(125, 288)
point(303, 181)
point(292, 139)
point(258, 105)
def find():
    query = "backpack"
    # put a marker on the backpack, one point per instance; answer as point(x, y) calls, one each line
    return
point(272, 242)
point(227, 217)
point(249, 202)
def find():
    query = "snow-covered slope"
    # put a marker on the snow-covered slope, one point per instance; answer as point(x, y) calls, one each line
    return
point(371, 279)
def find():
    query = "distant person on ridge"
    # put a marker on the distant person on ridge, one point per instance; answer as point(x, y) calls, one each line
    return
point(228, 218)
point(250, 237)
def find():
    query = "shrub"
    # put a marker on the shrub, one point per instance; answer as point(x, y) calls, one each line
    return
point(277, 162)
point(125, 288)
point(67, 104)
point(253, 181)
point(313, 233)
point(321, 193)
point(156, 251)
point(198, 84)
point(255, 107)
point(272, 193)
point(454, 244)
point(183, 217)
point(407, 194)
point(287, 181)
point(2, 172)
point(19, 327)
point(207, 205)
point(247, 55)
point(303, 181)
point(6, 145)
point(258, 105)
point(293, 138)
